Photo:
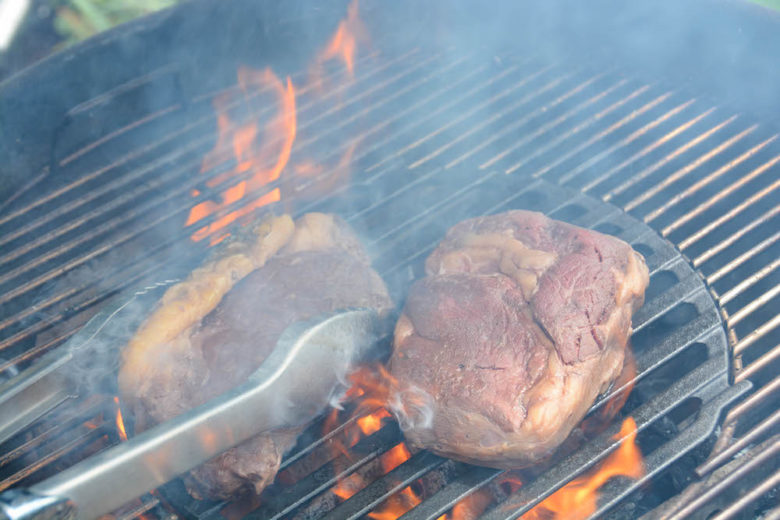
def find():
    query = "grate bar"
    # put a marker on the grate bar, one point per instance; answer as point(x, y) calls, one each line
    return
point(628, 118)
point(462, 486)
point(543, 129)
point(647, 149)
point(640, 176)
point(759, 364)
point(748, 282)
point(744, 257)
point(682, 172)
point(750, 403)
point(766, 454)
point(291, 498)
point(513, 126)
point(765, 426)
point(593, 159)
point(572, 131)
point(427, 115)
point(80, 439)
point(712, 251)
point(484, 123)
point(468, 113)
point(425, 102)
point(751, 496)
point(127, 280)
point(753, 305)
point(757, 334)
point(701, 183)
point(729, 214)
point(375, 493)
point(569, 133)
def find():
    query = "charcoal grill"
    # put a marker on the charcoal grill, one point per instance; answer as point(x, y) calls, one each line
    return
point(652, 148)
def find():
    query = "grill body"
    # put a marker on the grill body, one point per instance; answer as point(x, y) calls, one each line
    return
point(670, 151)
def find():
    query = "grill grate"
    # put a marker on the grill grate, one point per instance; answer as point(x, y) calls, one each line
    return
point(442, 137)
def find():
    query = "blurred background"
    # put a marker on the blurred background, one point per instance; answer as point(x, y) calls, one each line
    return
point(32, 29)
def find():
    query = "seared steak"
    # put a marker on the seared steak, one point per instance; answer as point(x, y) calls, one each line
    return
point(215, 329)
point(519, 325)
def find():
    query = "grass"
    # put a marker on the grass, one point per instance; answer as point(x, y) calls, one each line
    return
point(773, 4)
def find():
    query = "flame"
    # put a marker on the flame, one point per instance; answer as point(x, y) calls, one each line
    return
point(263, 151)
point(120, 422)
point(372, 422)
point(344, 43)
point(577, 499)
point(397, 505)
point(370, 388)
point(469, 508)
point(253, 151)
point(349, 486)
point(512, 481)
point(394, 457)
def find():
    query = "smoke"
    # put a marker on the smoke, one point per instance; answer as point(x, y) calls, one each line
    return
point(413, 407)
point(456, 96)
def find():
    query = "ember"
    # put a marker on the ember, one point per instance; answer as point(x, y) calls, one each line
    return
point(397, 505)
point(578, 498)
point(120, 422)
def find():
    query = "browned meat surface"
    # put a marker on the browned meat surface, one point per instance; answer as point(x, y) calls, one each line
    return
point(315, 266)
point(521, 322)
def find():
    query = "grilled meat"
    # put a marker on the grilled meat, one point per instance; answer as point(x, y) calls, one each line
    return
point(519, 325)
point(213, 330)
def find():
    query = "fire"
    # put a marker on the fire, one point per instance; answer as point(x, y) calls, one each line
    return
point(254, 152)
point(262, 150)
point(349, 486)
point(120, 422)
point(373, 422)
point(394, 457)
point(370, 389)
point(470, 508)
point(344, 43)
point(397, 505)
point(577, 499)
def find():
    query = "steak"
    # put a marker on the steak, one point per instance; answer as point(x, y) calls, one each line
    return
point(215, 329)
point(521, 322)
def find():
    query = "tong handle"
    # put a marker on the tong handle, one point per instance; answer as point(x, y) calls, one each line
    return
point(293, 385)
point(21, 504)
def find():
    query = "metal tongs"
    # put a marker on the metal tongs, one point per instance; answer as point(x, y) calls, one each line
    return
point(306, 370)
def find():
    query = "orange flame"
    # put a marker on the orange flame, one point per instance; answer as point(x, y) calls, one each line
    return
point(372, 423)
point(397, 505)
point(262, 151)
point(577, 499)
point(349, 486)
point(370, 388)
point(251, 158)
point(394, 457)
point(469, 508)
point(343, 45)
point(120, 422)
